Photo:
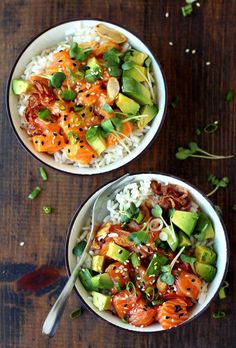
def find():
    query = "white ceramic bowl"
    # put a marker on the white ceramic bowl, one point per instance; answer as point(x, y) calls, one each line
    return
point(52, 37)
point(220, 244)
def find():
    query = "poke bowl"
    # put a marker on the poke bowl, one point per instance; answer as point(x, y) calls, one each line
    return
point(157, 260)
point(86, 97)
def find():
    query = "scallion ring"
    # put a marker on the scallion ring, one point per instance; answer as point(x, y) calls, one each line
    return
point(218, 315)
point(150, 293)
point(211, 127)
point(130, 287)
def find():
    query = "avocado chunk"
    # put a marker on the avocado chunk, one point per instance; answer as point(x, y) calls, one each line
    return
point(154, 267)
point(135, 259)
point(102, 281)
point(184, 240)
point(117, 253)
point(172, 237)
point(95, 139)
point(139, 73)
point(204, 229)
point(20, 86)
point(185, 220)
point(102, 302)
point(85, 276)
point(204, 254)
point(127, 105)
point(148, 112)
point(136, 91)
point(206, 272)
point(135, 56)
point(98, 263)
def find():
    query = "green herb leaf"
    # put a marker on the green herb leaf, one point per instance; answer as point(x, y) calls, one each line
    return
point(93, 74)
point(79, 248)
point(157, 211)
point(139, 237)
point(187, 10)
point(76, 313)
point(193, 147)
point(218, 315)
point(167, 278)
point(112, 56)
point(57, 79)
point(230, 95)
point(44, 114)
point(78, 53)
point(127, 65)
point(47, 210)
point(148, 62)
point(114, 70)
point(68, 95)
point(188, 259)
point(117, 123)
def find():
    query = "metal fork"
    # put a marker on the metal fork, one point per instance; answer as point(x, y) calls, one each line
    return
point(99, 212)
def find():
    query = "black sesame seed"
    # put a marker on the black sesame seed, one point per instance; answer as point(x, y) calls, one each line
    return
point(42, 142)
point(188, 289)
point(55, 133)
point(81, 129)
point(192, 280)
point(83, 114)
point(178, 308)
point(125, 305)
point(93, 156)
point(59, 61)
point(81, 146)
point(68, 150)
point(167, 317)
point(119, 251)
point(44, 135)
point(180, 315)
point(114, 268)
point(87, 95)
point(65, 117)
point(59, 142)
point(68, 125)
point(145, 309)
point(80, 91)
point(74, 64)
point(72, 58)
point(36, 141)
point(67, 141)
point(81, 141)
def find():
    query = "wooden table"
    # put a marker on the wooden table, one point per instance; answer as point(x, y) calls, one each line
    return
point(30, 239)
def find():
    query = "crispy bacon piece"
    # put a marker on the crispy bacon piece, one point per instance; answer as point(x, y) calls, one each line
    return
point(171, 196)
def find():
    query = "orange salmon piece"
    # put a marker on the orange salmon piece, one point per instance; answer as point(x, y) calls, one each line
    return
point(172, 313)
point(48, 142)
point(142, 315)
point(188, 285)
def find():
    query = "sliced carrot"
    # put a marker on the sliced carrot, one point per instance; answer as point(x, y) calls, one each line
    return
point(188, 284)
point(48, 142)
point(172, 313)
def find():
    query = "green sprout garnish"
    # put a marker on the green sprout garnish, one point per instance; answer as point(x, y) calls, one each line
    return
point(166, 275)
point(78, 53)
point(193, 150)
point(224, 182)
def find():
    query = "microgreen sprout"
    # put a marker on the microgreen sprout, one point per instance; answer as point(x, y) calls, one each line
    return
point(194, 150)
point(188, 259)
point(166, 275)
point(224, 182)
point(78, 53)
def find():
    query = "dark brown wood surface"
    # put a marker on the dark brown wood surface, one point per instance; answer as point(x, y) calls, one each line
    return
point(211, 31)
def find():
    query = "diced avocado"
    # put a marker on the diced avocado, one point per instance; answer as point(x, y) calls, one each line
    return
point(93, 63)
point(185, 220)
point(150, 111)
point(20, 86)
point(85, 276)
point(102, 302)
point(117, 253)
point(184, 240)
point(95, 139)
point(127, 105)
point(204, 229)
point(136, 91)
point(138, 73)
point(135, 259)
point(204, 254)
point(98, 263)
point(206, 272)
point(154, 267)
point(102, 281)
point(172, 237)
point(135, 56)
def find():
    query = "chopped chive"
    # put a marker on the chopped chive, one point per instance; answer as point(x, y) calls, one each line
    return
point(234, 206)
point(47, 210)
point(230, 95)
point(76, 313)
point(43, 174)
point(218, 315)
point(222, 293)
point(197, 131)
point(211, 127)
point(34, 193)
point(187, 10)
point(175, 102)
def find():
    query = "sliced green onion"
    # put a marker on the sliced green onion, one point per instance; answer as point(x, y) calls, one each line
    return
point(197, 131)
point(43, 174)
point(34, 193)
point(187, 10)
point(157, 302)
point(175, 102)
point(79, 248)
point(150, 293)
point(230, 95)
point(76, 313)
point(124, 320)
point(211, 127)
point(130, 287)
point(222, 293)
point(47, 210)
point(218, 315)
point(117, 286)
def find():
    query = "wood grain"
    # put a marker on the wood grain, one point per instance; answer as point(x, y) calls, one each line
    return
point(211, 31)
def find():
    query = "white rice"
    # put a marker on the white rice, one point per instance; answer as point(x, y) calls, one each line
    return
point(42, 61)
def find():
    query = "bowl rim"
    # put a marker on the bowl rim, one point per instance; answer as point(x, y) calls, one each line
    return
point(66, 253)
point(8, 88)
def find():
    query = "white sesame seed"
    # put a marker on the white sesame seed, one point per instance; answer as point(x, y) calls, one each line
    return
point(22, 243)
point(193, 51)
point(187, 50)
point(171, 43)
point(208, 63)
point(198, 4)
point(167, 14)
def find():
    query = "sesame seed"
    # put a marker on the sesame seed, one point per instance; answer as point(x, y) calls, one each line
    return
point(193, 51)
point(167, 14)
point(171, 43)
point(22, 243)
point(208, 63)
point(187, 50)
point(198, 4)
